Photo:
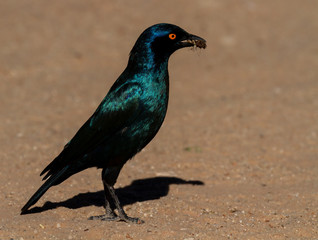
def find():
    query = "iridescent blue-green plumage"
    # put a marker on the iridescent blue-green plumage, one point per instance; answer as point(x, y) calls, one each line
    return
point(128, 117)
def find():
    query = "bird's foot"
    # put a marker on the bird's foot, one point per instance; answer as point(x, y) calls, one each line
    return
point(109, 216)
point(113, 217)
point(132, 220)
point(105, 217)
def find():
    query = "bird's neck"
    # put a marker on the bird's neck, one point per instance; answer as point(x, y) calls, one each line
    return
point(148, 62)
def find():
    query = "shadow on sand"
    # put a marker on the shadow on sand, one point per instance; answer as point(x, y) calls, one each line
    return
point(138, 191)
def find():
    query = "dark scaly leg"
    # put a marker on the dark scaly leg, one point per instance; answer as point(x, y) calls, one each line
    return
point(109, 177)
point(109, 207)
point(121, 213)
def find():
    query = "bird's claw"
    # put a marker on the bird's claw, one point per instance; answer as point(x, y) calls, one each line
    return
point(112, 217)
point(132, 220)
point(105, 217)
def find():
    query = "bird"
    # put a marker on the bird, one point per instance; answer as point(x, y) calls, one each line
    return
point(126, 120)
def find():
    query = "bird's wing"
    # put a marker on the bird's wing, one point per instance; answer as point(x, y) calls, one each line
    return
point(116, 111)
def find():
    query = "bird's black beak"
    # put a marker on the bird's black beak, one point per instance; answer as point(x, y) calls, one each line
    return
point(192, 41)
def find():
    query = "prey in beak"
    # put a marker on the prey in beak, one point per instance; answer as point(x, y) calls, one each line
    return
point(192, 41)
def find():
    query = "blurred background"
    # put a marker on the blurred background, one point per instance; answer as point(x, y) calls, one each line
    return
point(242, 118)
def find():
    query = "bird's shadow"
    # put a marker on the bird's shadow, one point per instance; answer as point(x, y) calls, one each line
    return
point(138, 191)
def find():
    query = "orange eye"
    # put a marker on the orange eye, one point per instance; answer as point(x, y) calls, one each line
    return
point(172, 36)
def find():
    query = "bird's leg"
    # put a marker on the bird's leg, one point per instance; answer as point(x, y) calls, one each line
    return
point(109, 177)
point(121, 213)
point(109, 207)
point(109, 204)
point(110, 174)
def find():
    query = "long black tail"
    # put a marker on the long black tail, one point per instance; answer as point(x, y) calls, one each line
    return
point(53, 180)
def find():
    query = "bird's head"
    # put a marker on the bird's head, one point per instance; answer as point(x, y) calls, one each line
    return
point(155, 45)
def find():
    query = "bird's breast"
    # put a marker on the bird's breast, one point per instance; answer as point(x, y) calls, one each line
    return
point(154, 103)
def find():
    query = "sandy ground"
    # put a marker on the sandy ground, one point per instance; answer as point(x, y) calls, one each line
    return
point(237, 155)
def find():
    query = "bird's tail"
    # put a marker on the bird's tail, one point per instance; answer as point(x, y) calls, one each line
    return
point(53, 180)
